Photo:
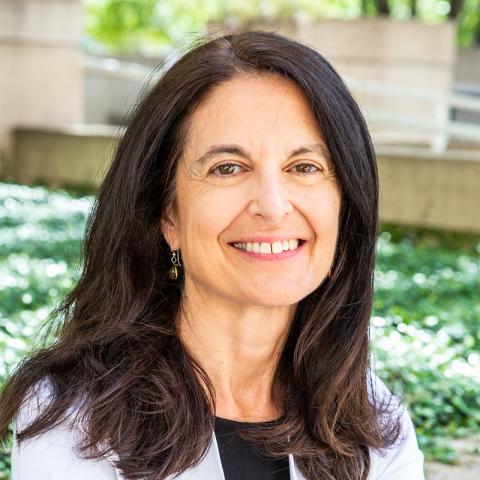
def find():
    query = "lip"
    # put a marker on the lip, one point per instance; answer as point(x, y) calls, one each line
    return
point(287, 254)
point(269, 239)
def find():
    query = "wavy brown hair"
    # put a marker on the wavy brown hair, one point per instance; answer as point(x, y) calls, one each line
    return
point(117, 344)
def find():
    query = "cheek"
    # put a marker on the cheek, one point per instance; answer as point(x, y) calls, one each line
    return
point(323, 213)
point(207, 213)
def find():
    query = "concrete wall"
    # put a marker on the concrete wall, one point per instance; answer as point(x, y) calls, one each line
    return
point(467, 81)
point(467, 69)
point(41, 70)
point(416, 188)
point(112, 87)
point(68, 156)
point(441, 191)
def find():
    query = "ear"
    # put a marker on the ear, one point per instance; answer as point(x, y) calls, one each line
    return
point(168, 225)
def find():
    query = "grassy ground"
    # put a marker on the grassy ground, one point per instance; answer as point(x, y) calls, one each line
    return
point(425, 323)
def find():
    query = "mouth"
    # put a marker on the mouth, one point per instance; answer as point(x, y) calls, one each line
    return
point(270, 248)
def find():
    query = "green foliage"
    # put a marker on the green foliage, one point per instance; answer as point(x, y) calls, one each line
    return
point(40, 235)
point(151, 26)
point(426, 331)
point(127, 24)
point(468, 33)
point(425, 325)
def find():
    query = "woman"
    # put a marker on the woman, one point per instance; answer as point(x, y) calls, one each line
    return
point(224, 305)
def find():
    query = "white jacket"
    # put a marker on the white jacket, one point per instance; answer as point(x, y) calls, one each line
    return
point(51, 456)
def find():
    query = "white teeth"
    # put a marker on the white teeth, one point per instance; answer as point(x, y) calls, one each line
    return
point(265, 248)
point(277, 247)
point(268, 248)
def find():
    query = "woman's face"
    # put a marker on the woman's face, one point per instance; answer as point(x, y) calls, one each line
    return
point(255, 170)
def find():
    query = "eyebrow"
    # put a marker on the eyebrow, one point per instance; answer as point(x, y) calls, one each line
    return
point(317, 148)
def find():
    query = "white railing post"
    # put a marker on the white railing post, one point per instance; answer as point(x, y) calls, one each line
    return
point(441, 119)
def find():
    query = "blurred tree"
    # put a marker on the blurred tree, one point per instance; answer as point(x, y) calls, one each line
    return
point(468, 20)
point(135, 25)
point(125, 24)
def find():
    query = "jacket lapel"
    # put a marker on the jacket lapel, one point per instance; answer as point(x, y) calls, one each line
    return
point(295, 473)
point(210, 468)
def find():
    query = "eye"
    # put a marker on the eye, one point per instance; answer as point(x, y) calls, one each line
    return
point(309, 168)
point(228, 169)
point(224, 169)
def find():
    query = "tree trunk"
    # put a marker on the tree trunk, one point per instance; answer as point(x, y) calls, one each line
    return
point(413, 8)
point(455, 8)
point(383, 9)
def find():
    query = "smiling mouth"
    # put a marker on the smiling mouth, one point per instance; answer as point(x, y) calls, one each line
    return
point(269, 248)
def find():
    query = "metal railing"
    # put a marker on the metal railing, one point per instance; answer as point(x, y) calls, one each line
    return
point(440, 128)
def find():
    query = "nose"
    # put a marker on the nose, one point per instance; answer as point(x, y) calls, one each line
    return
point(270, 199)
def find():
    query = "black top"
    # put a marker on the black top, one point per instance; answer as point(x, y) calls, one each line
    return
point(240, 461)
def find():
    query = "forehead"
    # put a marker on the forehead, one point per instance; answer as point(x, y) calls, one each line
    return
point(253, 109)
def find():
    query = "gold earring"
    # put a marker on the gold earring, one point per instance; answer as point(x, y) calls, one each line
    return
point(173, 270)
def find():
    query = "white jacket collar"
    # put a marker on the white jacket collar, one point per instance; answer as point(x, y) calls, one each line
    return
point(210, 468)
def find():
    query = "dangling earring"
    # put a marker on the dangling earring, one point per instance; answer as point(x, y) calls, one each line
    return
point(329, 273)
point(173, 270)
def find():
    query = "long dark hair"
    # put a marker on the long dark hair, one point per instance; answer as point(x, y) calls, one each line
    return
point(117, 344)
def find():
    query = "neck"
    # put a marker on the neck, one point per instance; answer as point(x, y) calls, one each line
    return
point(239, 347)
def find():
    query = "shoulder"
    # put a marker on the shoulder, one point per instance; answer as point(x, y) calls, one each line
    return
point(51, 455)
point(404, 460)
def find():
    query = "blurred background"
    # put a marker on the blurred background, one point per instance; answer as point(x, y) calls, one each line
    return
point(71, 72)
